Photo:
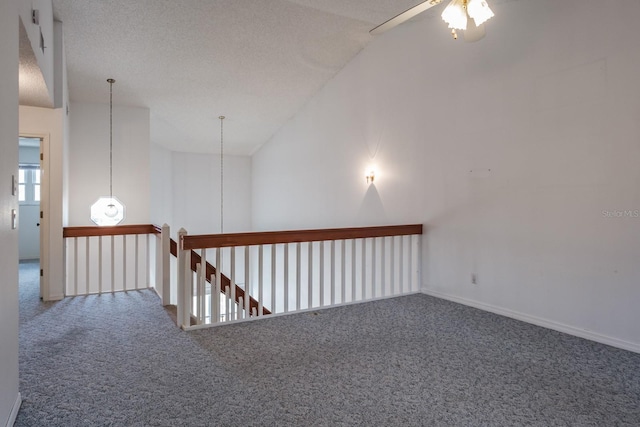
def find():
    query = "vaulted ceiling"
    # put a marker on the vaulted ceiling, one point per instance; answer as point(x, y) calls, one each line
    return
point(189, 61)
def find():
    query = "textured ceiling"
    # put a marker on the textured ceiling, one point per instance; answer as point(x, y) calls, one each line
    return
point(189, 61)
point(33, 90)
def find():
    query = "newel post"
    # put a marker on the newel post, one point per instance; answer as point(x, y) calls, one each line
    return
point(185, 276)
point(164, 257)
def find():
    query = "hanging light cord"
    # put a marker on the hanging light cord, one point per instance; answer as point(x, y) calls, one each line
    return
point(111, 82)
point(221, 174)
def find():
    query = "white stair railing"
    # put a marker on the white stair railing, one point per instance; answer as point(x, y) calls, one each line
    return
point(290, 271)
point(101, 260)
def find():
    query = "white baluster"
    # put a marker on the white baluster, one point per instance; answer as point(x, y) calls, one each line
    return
point(165, 253)
point(87, 262)
point(231, 312)
point(392, 266)
point(310, 273)
point(75, 266)
point(100, 264)
point(124, 262)
point(273, 278)
point(298, 275)
point(260, 278)
point(217, 289)
point(322, 274)
point(136, 261)
point(373, 267)
point(353, 270)
point(401, 265)
point(286, 277)
point(199, 301)
point(215, 292)
point(383, 263)
point(343, 267)
point(147, 277)
point(333, 272)
point(202, 287)
point(410, 263)
point(247, 281)
point(113, 264)
point(230, 303)
point(418, 264)
point(363, 279)
point(184, 283)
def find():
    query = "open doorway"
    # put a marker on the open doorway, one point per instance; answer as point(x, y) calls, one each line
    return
point(30, 186)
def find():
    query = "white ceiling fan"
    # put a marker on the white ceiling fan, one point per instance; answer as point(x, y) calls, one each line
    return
point(466, 15)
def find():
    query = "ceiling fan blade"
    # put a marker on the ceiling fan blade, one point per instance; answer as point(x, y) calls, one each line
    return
point(404, 16)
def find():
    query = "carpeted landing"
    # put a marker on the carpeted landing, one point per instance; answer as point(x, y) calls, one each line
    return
point(117, 360)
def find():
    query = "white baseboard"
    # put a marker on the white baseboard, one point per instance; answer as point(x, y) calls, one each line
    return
point(550, 324)
point(14, 411)
point(58, 297)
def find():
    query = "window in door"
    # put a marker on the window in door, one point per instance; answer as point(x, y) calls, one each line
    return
point(29, 184)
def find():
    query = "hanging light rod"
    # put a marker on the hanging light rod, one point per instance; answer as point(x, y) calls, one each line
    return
point(109, 210)
point(111, 82)
point(221, 173)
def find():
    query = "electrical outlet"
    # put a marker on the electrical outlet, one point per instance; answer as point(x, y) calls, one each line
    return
point(474, 279)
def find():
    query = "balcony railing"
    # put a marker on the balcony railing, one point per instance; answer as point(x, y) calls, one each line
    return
point(289, 271)
point(233, 277)
point(111, 259)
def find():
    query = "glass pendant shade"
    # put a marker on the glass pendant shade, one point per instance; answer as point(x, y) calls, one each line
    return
point(107, 211)
point(458, 12)
point(455, 14)
point(479, 10)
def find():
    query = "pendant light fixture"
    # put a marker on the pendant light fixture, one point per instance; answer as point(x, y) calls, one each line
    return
point(221, 174)
point(108, 210)
point(467, 15)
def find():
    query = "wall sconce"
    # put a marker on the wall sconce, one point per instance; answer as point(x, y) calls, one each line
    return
point(370, 176)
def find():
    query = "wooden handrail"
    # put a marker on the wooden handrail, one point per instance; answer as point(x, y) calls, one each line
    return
point(122, 230)
point(116, 230)
point(275, 237)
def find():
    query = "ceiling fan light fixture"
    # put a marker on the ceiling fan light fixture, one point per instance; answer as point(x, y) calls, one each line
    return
point(480, 11)
point(455, 14)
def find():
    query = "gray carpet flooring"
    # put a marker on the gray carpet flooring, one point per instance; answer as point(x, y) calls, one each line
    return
point(117, 360)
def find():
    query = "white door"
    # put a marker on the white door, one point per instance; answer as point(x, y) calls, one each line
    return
point(29, 185)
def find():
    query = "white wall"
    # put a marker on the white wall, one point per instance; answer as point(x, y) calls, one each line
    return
point(89, 160)
point(196, 193)
point(161, 169)
point(517, 152)
point(185, 193)
point(9, 395)
point(50, 123)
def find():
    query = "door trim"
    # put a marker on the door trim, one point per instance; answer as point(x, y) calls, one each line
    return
point(44, 208)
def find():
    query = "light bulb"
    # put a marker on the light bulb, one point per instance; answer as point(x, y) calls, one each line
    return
point(474, 32)
point(111, 210)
